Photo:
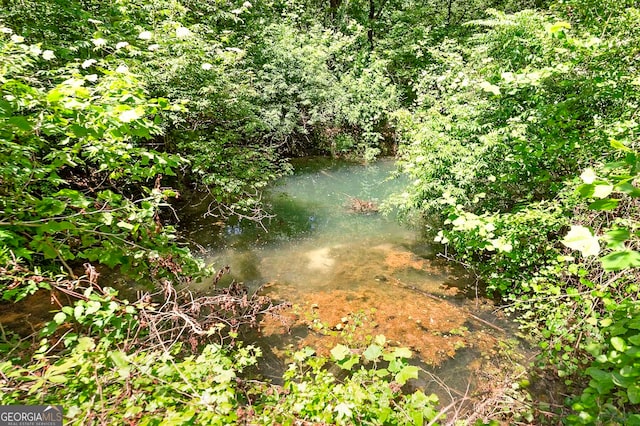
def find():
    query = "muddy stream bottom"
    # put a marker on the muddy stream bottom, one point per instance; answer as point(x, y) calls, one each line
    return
point(388, 290)
point(381, 293)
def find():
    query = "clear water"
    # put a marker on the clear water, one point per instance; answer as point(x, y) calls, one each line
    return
point(339, 268)
point(314, 234)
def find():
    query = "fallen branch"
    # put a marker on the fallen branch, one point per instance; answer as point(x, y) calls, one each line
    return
point(181, 315)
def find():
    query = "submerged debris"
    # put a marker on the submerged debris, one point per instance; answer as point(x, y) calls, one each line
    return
point(357, 205)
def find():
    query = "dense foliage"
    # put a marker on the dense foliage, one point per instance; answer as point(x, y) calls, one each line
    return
point(505, 121)
point(516, 122)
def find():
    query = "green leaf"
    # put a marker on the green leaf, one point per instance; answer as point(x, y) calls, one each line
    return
point(598, 374)
point(602, 191)
point(46, 249)
point(55, 95)
point(616, 237)
point(5, 108)
point(581, 239)
point(621, 260)
point(57, 379)
point(78, 311)
point(402, 353)
point(85, 344)
point(343, 410)
point(55, 226)
point(619, 344)
point(628, 189)
point(224, 376)
point(408, 372)
point(630, 371)
point(586, 190)
point(119, 358)
point(619, 145)
point(559, 26)
point(60, 317)
point(605, 204)
point(49, 329)
point(125, 225)
point(50, 207)
point(621, 380)
point(633, 392)
point(383, 372)
point(490, 88)
point(417, 417)
point(303, 354)
point(348, 363)
point(79, 131)
point(21, 123)
point(340, 352)
point(373, 352)
point(106, 218)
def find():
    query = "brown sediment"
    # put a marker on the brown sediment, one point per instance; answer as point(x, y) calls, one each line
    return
point(402, 259)
point(431, 296)
point(434, 329)
point(352, 266)
point(364, 294)
point(356, 205)
point(28, 315)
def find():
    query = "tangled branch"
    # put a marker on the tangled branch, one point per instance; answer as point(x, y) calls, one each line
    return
point(185, 316)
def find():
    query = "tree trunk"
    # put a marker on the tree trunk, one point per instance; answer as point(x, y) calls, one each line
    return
point(372, 18)
point(333, 9)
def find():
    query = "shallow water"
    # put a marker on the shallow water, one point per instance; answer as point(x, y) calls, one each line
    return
point(351, 275)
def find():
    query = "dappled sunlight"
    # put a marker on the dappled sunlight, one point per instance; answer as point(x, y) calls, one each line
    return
point(320, 260)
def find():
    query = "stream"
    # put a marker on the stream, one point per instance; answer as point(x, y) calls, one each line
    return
point(352, 274)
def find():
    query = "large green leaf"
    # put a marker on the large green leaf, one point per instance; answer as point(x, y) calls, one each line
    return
point(408, 372)
point(373, 352)
point(633, 392)
point(621, 260)
point(340, 352)
point(604, 204)
point(616, 237)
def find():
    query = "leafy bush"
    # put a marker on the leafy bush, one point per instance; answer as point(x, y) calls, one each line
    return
point(310, 96)
point(512, 113)
point(368, 395)
point(109, 360)
point(504, 122)
point(78, 181)
point(613, 394)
